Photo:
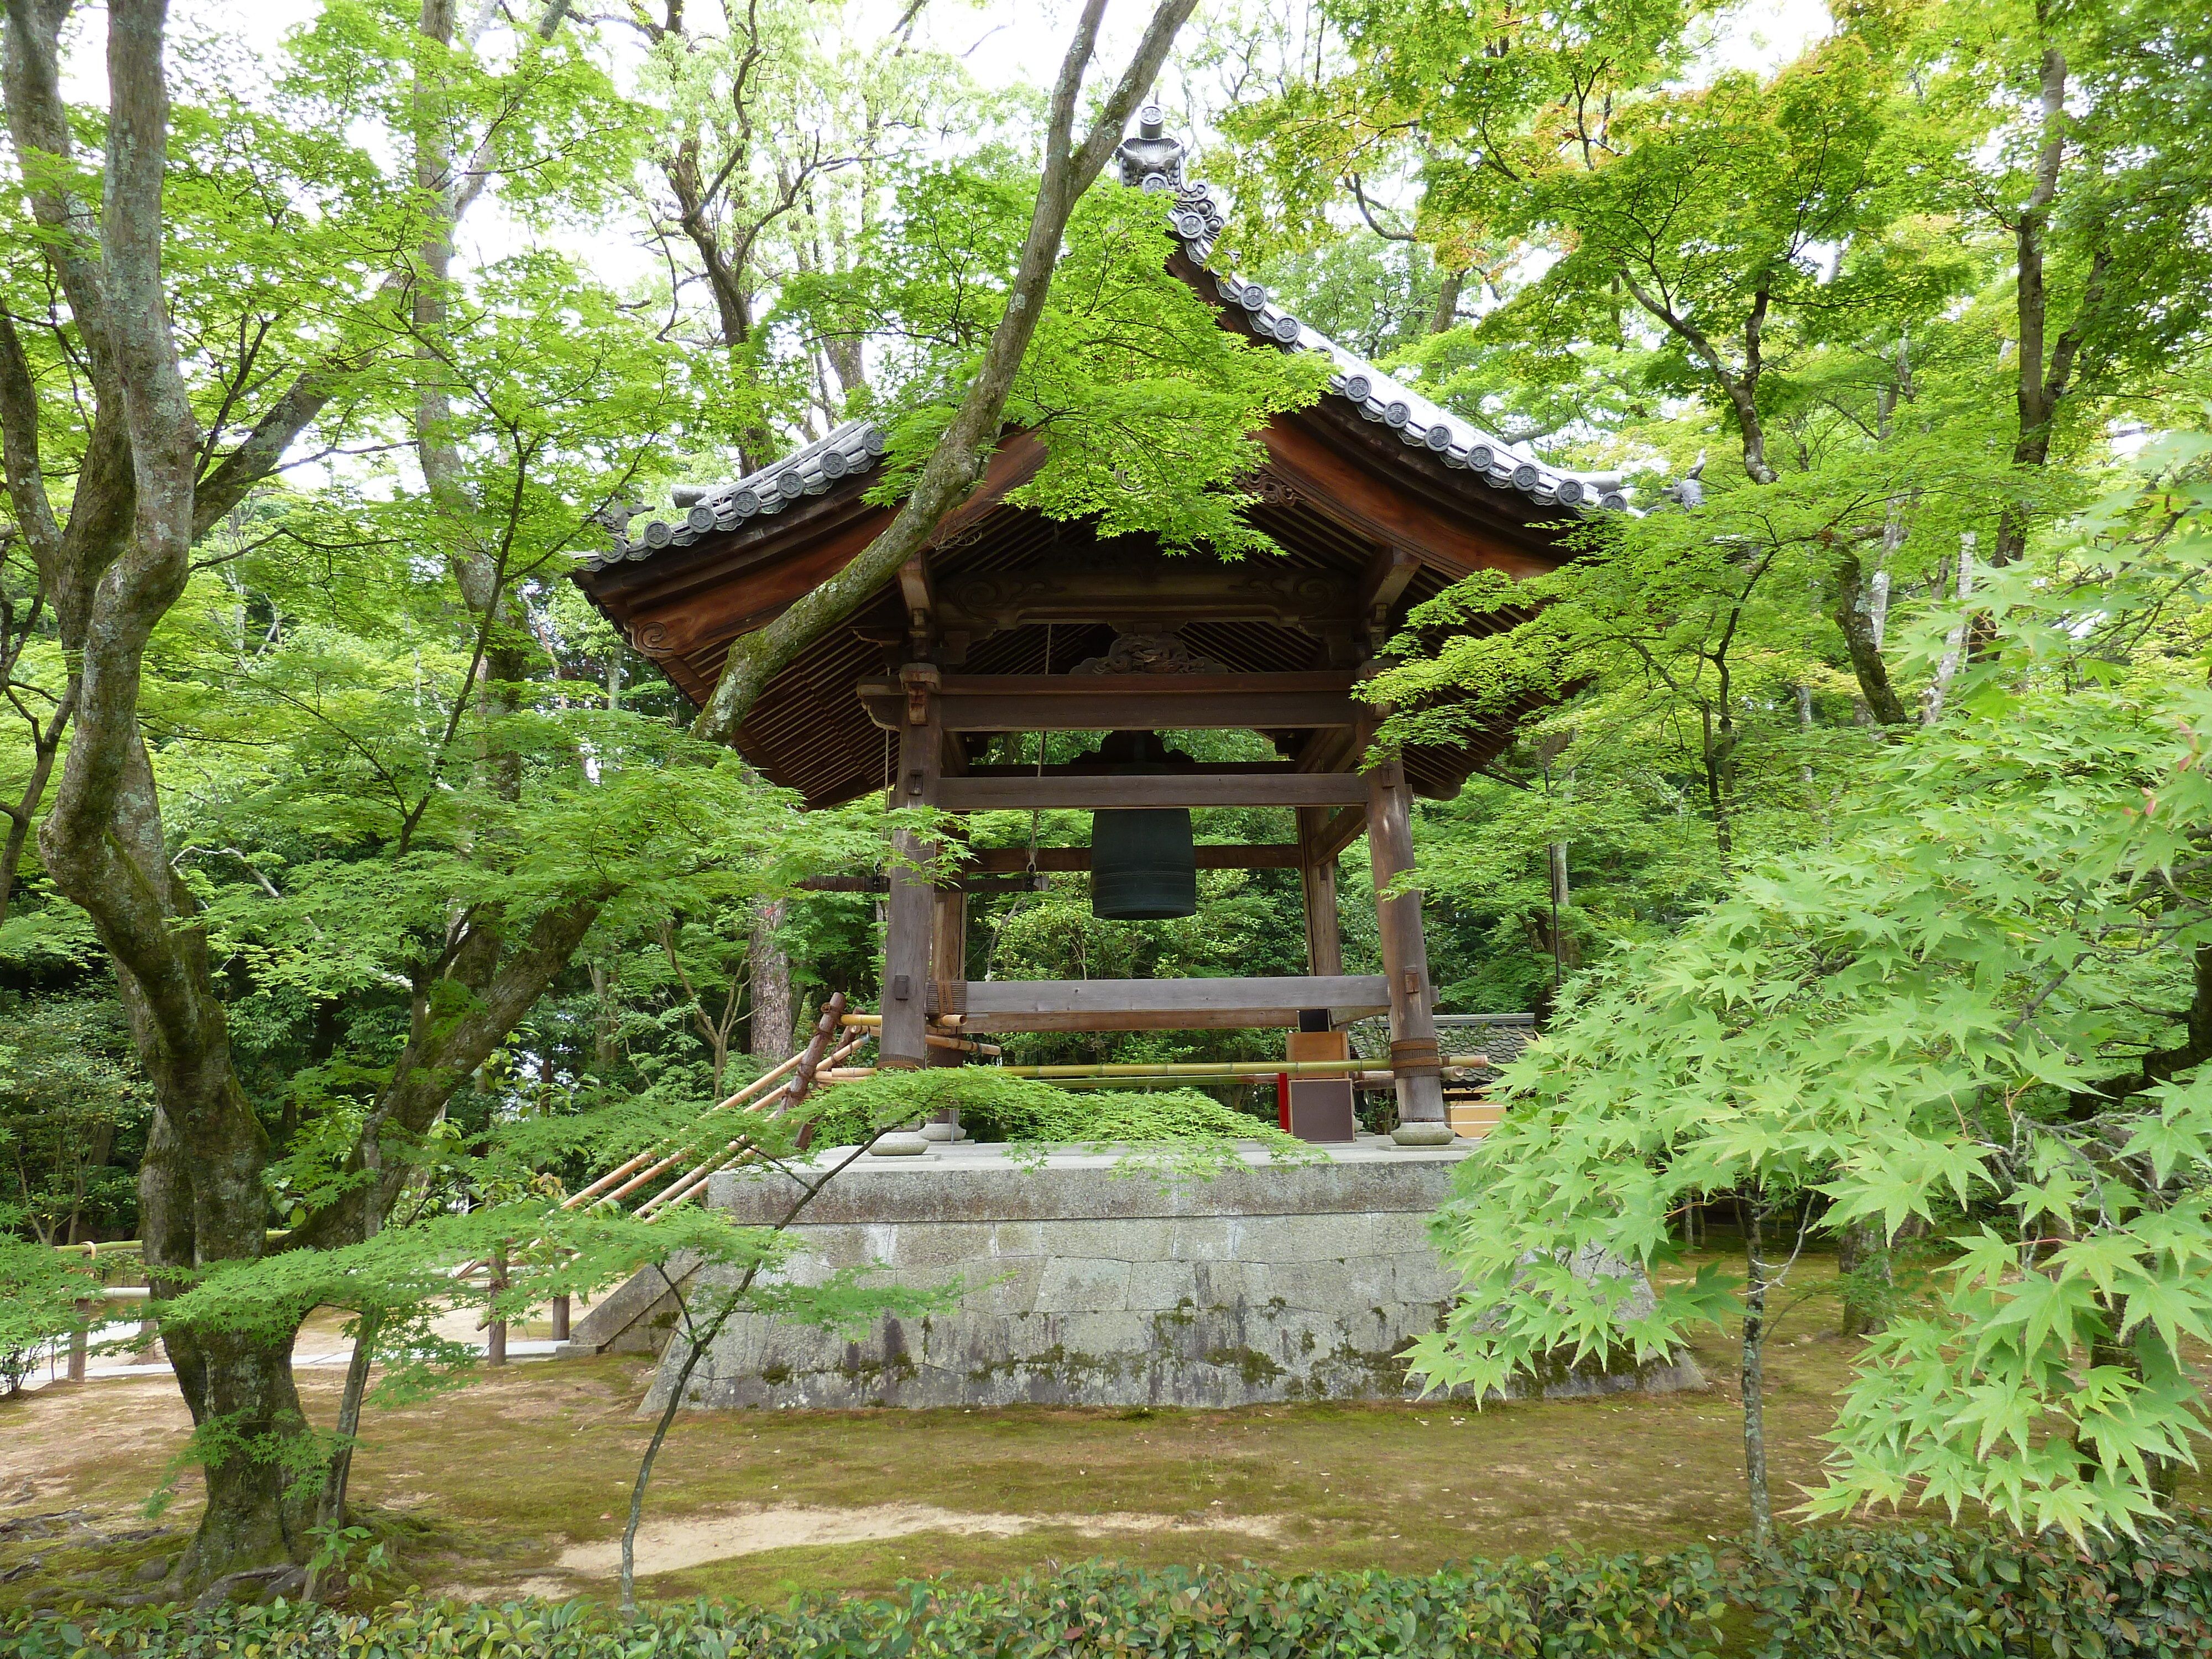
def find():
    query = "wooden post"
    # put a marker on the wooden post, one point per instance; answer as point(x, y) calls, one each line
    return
point(1317, 874)
point(948, 952)
point(560, 1319)
point(495, 1341)
point(910, 914)
point(1413, 1053)
point(81, 1339)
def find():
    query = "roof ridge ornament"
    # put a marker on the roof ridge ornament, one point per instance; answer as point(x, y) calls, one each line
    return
point(1149, 159)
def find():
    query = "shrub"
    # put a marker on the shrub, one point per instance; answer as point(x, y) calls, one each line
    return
point(1561, 1607)
point(995, 1106)
point(39, 1292)
point(1900, 1592)
point(1930, 1593)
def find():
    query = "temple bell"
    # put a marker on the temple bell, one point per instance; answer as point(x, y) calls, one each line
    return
point(1143, 867)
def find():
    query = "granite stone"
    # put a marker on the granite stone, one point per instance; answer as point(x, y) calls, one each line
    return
point(1085, 1283)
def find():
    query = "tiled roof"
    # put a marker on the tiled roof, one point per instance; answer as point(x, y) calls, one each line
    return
point(1152, 161)
point(853, 447)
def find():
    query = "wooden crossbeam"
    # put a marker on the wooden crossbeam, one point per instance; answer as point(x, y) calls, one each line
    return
point(1178, 788)
point(1011, 860)
point(1144, 1004)
point(1122, 703)
point(1113, 768)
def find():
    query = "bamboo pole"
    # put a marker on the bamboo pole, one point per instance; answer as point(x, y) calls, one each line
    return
point(758, 1085)
point(685, 1185)
point(1239, 1068)
point(758, 1088)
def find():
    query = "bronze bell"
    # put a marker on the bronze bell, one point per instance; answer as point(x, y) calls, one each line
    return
point(1142, 864)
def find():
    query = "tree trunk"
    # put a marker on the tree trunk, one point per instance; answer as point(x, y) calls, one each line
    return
point(957, 462)
point(112, 575)
point(1955, 642)
point(1861, 611)
point(495, 1337)
point(1861, 1246)
point(1447, 311)
point(330, 1507)
point(1754, 1374)
point(773, 1032)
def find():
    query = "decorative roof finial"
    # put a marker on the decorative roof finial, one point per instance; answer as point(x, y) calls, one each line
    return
point(1688, 491)
point(1151, 159)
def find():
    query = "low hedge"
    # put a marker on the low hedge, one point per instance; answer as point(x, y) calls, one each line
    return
point(1925, 1593)
point(1930, 1594)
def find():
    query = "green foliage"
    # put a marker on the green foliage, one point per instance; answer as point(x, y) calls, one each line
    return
point(1144, 403)
point(1918, 1594)
point(1930, 1593)
point(1565, 1606)
point(39, 1292)
point(995, 1106)
point(1981, 1000)
point(72, 1117)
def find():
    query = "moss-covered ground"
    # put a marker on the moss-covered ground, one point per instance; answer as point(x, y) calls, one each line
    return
point(510, 1483)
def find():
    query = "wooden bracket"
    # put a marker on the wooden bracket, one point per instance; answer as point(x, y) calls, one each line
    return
point(1383, 583)
point(921, 682)
point(920, 599)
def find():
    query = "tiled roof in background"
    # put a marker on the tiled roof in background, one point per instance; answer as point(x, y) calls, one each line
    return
point(1153, 161)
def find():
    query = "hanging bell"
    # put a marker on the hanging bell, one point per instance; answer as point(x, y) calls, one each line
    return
point(1143, 867)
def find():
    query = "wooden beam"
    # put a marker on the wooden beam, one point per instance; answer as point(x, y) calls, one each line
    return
point(1413, 1053)
point(1317, 878)
point(1110, 769)
point(913, 586)
point(1143, 1005)
point(920, 604)
point(1385, 580)
point(1100, 794)
point(1139, 590)
point(1007, 861)
point(1343, 829)
point(909, 919)
point(1122, 702)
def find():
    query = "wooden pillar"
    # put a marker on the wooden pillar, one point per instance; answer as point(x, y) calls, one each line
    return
point(948, 952)
point(1414, 1051)
point(1317, 874)
point(560, 1319)
point(910, 916)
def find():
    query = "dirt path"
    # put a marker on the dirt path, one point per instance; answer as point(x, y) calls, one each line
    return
point(519, 1481)
point(666, 1546)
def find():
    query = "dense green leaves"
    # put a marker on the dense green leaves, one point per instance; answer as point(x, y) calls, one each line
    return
point(1928, 1594)
point(1962, 1014)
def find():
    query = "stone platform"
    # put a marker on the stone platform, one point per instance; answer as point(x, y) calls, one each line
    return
point(1097, 1278)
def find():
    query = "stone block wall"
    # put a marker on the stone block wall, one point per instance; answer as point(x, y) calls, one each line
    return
point(1087, 1282)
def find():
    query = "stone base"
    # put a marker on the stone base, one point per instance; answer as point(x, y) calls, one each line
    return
point(1438, 1133)
point(1097, 1280)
